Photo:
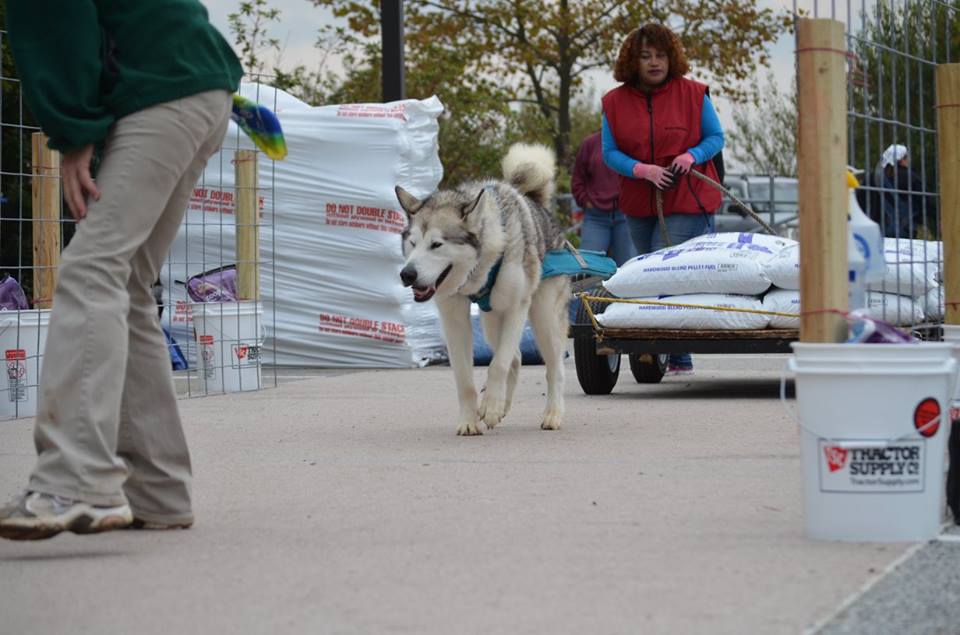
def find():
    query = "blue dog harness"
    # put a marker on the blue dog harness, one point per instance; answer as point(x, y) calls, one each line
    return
point(585, 267)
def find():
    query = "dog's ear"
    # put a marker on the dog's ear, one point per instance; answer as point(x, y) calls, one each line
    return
point(410, 203)
point(467, 209)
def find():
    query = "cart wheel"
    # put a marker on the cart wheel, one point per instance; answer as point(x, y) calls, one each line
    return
point(648, 368)
point(597, 373)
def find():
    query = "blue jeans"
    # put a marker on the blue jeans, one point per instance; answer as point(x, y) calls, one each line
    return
point(646, 235)
point(607, 232)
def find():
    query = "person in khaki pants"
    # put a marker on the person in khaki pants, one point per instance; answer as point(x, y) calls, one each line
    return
point(150, 81)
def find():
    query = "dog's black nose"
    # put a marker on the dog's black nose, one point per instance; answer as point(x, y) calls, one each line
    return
point(408, 275)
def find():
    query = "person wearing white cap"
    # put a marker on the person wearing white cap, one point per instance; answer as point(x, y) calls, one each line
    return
point(894, 155)
point(899, 204)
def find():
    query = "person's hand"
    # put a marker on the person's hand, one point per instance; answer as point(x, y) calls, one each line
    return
point(77, 182)
point(683, 163)
point(661, 178)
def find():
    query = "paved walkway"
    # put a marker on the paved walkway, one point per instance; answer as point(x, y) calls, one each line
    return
point(346, 504)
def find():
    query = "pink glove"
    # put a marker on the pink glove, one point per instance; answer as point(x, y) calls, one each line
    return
point(683, 163)
point(660, 177)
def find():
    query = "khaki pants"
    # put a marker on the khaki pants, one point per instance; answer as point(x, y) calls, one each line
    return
point(107, 429)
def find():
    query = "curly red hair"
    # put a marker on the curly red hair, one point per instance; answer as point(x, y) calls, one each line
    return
point(653, 35)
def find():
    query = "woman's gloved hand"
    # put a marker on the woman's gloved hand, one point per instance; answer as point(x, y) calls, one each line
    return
point(661, 178)
point(682, 164)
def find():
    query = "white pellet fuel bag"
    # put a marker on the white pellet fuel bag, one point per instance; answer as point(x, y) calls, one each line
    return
point(663, 316)
point(783, 269)
point(715, 263)
point(783, 301)
point(913, 267)
point(895, 309)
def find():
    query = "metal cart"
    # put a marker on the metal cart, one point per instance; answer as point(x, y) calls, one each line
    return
point(597, 353)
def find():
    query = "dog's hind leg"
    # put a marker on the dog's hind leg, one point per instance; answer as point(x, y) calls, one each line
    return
point(455, 318)
point(548, 316)
point(503, 332)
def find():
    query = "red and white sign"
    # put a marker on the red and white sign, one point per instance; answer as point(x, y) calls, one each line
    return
point(384, 219)
point(373, 111)
point(245, 355)
point(896, 468)
point(391, 332)
point(16, 359)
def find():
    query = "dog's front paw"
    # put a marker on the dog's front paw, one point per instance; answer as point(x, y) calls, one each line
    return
point(492, 410)
point(468, 429)
point(551, 420)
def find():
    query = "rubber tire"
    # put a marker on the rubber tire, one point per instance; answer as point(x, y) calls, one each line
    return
point(597, 374)
point(650, 370)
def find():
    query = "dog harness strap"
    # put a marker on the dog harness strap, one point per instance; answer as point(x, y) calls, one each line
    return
point(482, 297)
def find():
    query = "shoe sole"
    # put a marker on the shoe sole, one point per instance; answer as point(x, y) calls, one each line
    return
point(83, 524)
point(142, 525)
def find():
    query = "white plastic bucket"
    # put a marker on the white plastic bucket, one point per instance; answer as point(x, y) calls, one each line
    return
point(23, 336)
point(229, 340)
point(874, 428)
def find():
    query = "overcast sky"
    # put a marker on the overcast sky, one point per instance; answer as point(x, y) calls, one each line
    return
point(300, 21)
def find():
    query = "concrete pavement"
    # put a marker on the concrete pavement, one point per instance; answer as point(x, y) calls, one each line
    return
point(346, 504)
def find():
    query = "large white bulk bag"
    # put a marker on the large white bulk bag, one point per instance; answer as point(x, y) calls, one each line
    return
point(330, 239)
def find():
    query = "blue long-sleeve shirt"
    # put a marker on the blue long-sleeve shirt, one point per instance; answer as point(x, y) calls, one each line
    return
point(711, 142)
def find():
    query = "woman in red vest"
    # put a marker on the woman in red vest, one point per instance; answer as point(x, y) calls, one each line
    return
point(657, 126)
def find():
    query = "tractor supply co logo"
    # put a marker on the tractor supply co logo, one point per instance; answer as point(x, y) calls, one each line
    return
point(893, 469)
point(245, 356)
point(16, 374)
point(207, 356)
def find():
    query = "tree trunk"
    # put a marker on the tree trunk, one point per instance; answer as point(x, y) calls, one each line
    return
point(565, 67)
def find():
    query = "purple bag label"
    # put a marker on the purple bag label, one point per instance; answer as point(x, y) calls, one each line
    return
point(216, 286)
point(12, 297)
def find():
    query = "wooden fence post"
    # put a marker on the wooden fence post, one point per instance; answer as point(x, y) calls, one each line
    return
point(46, 220)
point(248, 228)
point(822, 158)
point(948, 130)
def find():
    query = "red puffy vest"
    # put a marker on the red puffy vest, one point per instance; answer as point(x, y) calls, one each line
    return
point(655, 128)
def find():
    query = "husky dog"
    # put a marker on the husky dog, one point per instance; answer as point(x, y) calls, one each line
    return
point(486, 241)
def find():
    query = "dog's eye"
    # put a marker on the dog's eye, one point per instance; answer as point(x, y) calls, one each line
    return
point(435, 245)
point(413, 243)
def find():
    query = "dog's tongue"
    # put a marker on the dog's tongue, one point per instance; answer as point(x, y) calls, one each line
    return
point(423, 293)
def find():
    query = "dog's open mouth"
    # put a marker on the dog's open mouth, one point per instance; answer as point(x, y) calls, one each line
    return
point(422, 294)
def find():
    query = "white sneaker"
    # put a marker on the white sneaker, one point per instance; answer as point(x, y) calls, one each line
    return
point(35, 516)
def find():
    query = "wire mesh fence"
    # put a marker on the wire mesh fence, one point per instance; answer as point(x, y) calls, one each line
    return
point(217, 309)
point(893, 49)
point(216, 313)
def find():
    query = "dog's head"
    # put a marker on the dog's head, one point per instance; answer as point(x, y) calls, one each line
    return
point(440, 245)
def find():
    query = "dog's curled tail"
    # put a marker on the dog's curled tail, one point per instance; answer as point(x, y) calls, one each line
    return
point(531, 168)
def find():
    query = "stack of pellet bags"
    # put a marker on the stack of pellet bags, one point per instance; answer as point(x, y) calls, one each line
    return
point(757, 272)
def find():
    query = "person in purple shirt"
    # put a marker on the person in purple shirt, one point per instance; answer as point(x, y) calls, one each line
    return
point(597, 190)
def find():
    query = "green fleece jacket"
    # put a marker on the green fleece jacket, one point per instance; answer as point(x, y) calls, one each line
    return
point(86, 63)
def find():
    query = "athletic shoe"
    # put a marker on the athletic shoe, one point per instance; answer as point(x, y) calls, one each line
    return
point(679, 369)
point(36, 516)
